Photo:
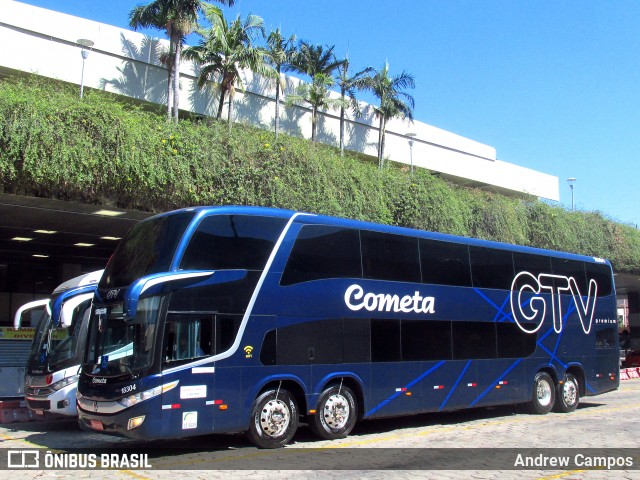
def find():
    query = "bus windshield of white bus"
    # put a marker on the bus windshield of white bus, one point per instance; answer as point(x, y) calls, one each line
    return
point(63, 340)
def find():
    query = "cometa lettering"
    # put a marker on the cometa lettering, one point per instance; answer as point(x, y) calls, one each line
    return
point(356, 299)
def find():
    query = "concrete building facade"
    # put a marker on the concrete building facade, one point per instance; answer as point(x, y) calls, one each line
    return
point(125, 62)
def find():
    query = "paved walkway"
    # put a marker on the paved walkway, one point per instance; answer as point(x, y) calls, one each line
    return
point(602, 423)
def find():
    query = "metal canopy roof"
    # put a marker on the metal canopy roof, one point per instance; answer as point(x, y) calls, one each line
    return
point(34, 229)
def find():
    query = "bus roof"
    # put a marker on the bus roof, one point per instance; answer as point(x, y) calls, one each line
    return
point(317, 219)
point(79, 281)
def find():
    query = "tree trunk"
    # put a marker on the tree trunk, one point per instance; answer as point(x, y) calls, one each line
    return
point(383, 125)
point(342, 127)
point(230, 112)
point(169, 92)
point(277, 119)
point(221, 102)
point(342, 93)
point(314, 119)
point(169, 64)
point(176, 81)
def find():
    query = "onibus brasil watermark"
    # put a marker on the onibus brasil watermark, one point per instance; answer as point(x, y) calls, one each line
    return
point(38, 459)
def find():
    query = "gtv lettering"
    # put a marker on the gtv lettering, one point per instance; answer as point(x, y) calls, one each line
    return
point(529, 306)
point(356, 299)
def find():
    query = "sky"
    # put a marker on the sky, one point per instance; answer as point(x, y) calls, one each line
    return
point(552, 86)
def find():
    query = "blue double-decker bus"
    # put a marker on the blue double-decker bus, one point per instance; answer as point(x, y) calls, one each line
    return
point(247, 319)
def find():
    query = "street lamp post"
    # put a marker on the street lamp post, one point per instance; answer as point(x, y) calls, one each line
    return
point(86, 45)
point(571, 181)
point(410, 136)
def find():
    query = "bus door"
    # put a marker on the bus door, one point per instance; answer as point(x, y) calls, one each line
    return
point(187, 339)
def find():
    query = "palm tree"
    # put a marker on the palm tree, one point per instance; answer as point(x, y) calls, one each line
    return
point(178, 18)
point(225, 50)
point(393, 101)
point(317, 94)
point(313, 59)
point(348, 86)
point(280, 53)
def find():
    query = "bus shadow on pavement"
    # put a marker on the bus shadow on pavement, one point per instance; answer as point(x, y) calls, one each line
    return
point(65, 434)
point(387, 425)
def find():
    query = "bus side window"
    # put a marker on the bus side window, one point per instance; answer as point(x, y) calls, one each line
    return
point(491, 268)
point(188, 337)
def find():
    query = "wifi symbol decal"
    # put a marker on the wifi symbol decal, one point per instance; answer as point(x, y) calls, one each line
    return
point(248, 350)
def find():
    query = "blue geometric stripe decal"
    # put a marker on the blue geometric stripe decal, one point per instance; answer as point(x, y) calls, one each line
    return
point(502, 314)
point(409, 385)
point(495, 382)
point(455, 385)
point(500, 310)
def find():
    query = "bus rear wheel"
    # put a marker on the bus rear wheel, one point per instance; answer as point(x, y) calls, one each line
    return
point(336, 413)
point(274, 419)
point(544, 393)
point(568, 395)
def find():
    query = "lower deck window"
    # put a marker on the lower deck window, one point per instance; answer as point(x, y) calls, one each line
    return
point(188, 336)
point(358, 340)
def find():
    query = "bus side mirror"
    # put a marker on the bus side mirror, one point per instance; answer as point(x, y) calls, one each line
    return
point(27, 310)
point(69, 307)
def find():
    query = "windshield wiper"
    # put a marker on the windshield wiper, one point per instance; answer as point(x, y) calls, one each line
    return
point(128, 369)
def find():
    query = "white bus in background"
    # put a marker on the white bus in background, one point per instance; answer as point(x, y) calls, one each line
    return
point(52, 369)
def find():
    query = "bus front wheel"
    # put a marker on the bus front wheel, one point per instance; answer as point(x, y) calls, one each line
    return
point(274, 419)
point(544, 393)
point(568, 395)
point(336, 413)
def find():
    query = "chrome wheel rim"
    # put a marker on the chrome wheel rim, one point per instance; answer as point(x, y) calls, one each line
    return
point(336, 412)
point(544, 393)
point(569, 393)
point(275, 418)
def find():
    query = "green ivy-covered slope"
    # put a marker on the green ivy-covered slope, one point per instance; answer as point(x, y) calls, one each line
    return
point(103, 150)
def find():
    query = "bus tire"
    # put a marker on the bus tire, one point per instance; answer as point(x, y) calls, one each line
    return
point(337, 412)
point(568, 395)
point(544, 394)
point(274, 420)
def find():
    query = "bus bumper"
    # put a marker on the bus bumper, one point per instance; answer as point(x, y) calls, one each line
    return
point(111, 418)
point(59, 403)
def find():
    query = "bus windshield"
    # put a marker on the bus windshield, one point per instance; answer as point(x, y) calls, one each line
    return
point(56, 347)
point(118, 347)
point(37, 355)
point(147, 248)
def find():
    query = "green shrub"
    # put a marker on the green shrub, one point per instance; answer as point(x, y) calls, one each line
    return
point(103, 150)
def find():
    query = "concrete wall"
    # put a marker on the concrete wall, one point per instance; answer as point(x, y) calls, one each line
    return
point(44, 42)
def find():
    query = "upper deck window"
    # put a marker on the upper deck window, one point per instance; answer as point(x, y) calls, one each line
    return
point(445, 263)
point(601, 273)
point(232, 242)
point(491, 268)
point(321, 252)
point(390, 257)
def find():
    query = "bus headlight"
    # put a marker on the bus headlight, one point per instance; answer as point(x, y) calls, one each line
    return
point(136, 398)
point(64, 382)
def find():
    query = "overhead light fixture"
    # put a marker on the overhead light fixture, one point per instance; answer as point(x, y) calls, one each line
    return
point(111, 238)
point(81, 244)
point(38, 255)
point(22, 239)
point(108, 213)
point(46, 232)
